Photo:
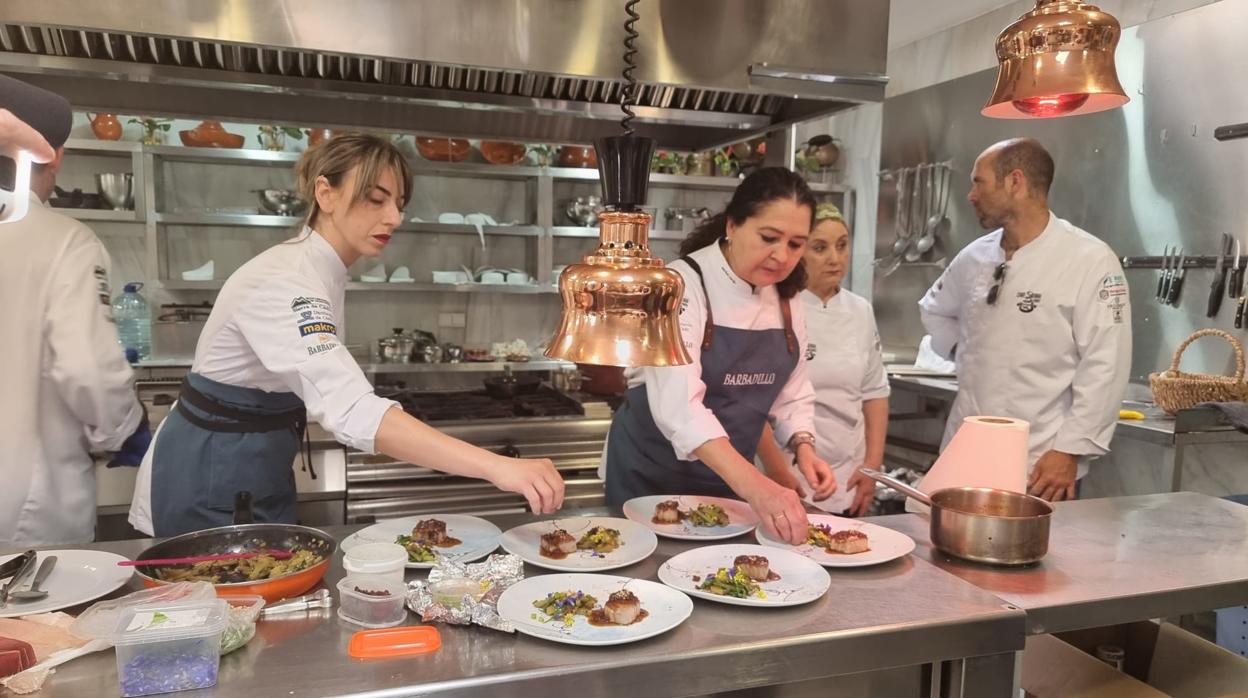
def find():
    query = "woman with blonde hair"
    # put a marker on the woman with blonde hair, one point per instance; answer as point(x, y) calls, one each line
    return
point(271, 357)
point(846, 368)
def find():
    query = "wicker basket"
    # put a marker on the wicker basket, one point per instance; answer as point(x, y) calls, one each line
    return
point(1174, 390)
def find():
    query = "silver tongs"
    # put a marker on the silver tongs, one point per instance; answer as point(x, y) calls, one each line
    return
point(27, 565)
point(319, 599)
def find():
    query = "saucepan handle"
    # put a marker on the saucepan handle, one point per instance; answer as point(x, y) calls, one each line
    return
point(897, 485)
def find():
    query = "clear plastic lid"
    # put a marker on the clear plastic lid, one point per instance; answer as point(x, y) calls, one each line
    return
point(176, 620)
point(375, 557)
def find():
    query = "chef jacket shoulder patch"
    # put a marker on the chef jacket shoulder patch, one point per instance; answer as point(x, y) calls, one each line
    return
point(102, 288)
point(314, 318)
point(1028, 301)
point(1113, 287)
point(811, 350)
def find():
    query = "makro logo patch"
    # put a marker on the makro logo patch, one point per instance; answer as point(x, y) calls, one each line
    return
point(317, 328)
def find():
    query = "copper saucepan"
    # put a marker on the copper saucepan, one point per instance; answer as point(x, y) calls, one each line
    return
point(982, 524)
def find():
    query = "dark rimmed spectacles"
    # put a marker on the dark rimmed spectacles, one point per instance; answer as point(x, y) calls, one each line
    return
point(998, 278)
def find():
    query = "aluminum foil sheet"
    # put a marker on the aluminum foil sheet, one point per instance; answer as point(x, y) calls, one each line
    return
point(492, 576)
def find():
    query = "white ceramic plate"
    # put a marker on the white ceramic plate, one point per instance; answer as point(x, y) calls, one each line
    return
point(801, 580)
point(478, 537)
point(666, 608)
point(741, 518)
point(637, 542)
point(79, 576)
point(885, 543)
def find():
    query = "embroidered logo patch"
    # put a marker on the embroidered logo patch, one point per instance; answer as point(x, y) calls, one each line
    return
point(1028, 301)
point(317, 328)
point(811, 350)
point(1113, 288)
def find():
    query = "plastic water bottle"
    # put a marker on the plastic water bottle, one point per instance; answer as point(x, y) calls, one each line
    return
point(134, 322)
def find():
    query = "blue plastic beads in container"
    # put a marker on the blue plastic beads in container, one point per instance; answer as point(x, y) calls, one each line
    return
point(169, 647)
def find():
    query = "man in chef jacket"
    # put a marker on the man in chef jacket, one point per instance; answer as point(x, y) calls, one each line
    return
point(1037, 315)
point(68, 386)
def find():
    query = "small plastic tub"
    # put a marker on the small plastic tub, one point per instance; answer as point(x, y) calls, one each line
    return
point(166, 647)
point(241, 625)
point(372, 602)
point(383, 561)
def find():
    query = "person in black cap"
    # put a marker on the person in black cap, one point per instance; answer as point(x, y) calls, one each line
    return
point(69, 386)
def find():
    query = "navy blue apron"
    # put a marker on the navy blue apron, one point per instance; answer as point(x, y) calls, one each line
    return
point(221, 440)
point(744, 371)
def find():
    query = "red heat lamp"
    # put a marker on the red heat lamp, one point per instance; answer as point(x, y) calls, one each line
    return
point(1057, 60)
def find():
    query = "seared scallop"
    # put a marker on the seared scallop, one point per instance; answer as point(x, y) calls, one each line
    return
point(755, 567)
point(667, 512)
point(558, 542)
point(430, 531)
point(622, 607)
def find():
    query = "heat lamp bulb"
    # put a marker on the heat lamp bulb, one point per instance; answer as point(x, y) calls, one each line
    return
point(1054, 105)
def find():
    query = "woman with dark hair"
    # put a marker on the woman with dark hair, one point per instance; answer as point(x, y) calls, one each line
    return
point(695, 429)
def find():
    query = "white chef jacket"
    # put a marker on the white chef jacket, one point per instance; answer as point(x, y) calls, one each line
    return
point(1054, 350)
point(277, 326)
point(846, 367)
point(675, 393)
point(69, 387)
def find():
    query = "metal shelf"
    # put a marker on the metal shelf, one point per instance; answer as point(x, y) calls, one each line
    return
point(469, 367)
point(686, 181)
point(260, 220)
point(87, 145)
point(101, 214)
point(222, 155)
point(571, 231)
point(388, 287)
point(233, 220)
point(180, 285)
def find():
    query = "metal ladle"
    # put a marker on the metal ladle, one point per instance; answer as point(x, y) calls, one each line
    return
point(928, 238)
point(34, 593)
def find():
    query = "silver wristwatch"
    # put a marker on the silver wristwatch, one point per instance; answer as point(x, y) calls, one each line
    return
point(801, 437)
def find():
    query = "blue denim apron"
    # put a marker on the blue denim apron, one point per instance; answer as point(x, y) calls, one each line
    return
point(744, 371)
point(218, 441)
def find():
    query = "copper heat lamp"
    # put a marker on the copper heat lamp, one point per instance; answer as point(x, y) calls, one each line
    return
point(1057, 60)
point(621, 305)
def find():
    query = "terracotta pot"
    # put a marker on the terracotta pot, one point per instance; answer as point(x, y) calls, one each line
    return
point(316, 135)
point(106, 127)
point(577, 156)
point(503, 153)
point(210, 134)
point(443, 149)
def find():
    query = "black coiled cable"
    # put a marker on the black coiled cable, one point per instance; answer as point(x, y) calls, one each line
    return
point(629, 98)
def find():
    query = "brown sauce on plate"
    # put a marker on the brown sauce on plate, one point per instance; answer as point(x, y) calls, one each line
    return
point(598, 617)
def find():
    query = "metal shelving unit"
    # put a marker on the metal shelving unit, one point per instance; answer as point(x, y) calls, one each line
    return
point(469, 367)
point(144, 161)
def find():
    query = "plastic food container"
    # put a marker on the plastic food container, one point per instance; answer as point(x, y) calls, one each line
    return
point(451, 592)
point(381, 561)
point(372, 602)
point(173, 646)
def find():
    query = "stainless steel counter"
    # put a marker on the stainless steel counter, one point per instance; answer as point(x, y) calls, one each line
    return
point(1116, 560)
point(902, 614)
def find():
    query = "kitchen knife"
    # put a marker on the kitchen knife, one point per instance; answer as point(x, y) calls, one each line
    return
point(1168, 272)
point(1161, 278)
point(1218, 287)
point(1236, 287)
point(27, 567)
point(1176, 284)
point(1239, 312)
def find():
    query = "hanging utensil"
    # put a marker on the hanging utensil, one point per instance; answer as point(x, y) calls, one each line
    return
point(929, 187)
point(1218, 287)
point(1161, 278)
point(934, 221)
point(1236, 287)
point(1176, 283)
point(903, 229)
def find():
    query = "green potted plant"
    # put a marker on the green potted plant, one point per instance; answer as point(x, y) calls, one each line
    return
point(154, 130)
point(273, 137)
point(726, 163)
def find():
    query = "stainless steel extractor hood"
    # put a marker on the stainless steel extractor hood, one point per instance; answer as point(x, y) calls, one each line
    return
point(712, 71)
